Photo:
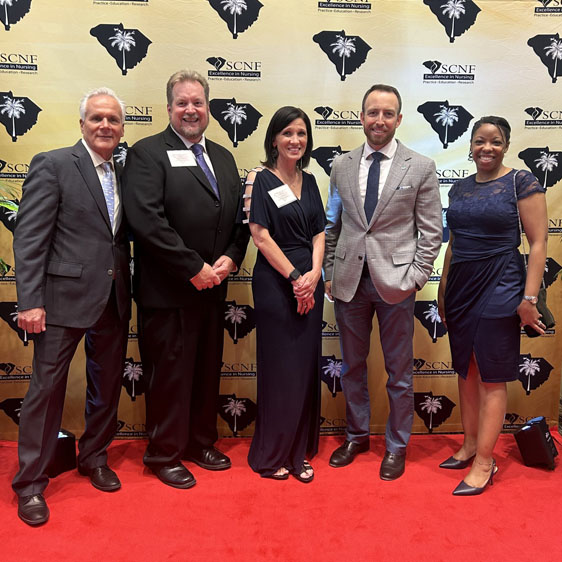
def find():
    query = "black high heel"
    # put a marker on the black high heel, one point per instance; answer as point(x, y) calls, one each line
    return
point(463, 489)
point(456, 464)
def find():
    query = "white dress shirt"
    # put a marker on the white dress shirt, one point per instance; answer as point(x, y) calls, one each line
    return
point(389, 150)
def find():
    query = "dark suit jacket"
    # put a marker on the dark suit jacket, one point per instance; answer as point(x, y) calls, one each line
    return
point(66, 256)
point(177, 221)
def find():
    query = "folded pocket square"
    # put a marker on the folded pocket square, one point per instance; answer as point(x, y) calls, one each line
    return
point(400, 187)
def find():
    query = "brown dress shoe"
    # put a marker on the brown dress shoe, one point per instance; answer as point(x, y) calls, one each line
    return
point(392, 466)
point(345, 453)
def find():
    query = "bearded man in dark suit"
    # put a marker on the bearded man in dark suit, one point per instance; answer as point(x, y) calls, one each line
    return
point(182, 198)
point(72, 278)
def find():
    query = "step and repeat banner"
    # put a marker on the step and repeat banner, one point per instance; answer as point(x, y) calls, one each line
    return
point(452, 60)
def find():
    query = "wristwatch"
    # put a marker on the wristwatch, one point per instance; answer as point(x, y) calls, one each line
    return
point(294, 275)
point(532, 299)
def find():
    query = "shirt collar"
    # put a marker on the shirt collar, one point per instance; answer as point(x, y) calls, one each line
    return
point(96, 158)
point(389, 149)
point(188, 143)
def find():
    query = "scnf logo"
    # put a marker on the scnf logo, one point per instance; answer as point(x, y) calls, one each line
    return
point(346, 52)
point(431, 368)
point(13, 170)
point(23, 62)
point(456, 16)
point(555, 225)
point(13, 372)
point(336, 5)
point(548, 7)
point(12, 11)
point(140, 114)
point(238, 15)
point(443, 73)
point(448, 176)
point(238, 369)
point(543, 117)
point(334, 118)
point(233, 69)
point(244, 274)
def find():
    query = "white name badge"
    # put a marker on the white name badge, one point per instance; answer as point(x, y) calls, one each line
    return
point(179, 158)
point(282, 195)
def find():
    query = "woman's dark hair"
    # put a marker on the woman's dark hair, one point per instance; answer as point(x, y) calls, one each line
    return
point(282, 117)
point(499, 122)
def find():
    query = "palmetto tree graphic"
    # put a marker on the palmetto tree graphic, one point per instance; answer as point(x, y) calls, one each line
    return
point(235, 7)
point(446, 116)
point(6, 3)
point(133, 371)
point(431, 405)
point(343, 46)
point(11, 206)
point(123, 40)
point(335, 154)
point(235, 314)
point(121, 155)
point(529, 368)
point(547, 162)
point(235, 408)
point(333, 369)
point(236, 114)
point(454, 9)
point(432, 314)
point(554, 50)
point(14, 109)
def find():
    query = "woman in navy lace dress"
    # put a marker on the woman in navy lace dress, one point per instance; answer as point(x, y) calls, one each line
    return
point(484, 294)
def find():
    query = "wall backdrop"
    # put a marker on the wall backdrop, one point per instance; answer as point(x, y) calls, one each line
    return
point(452, 60)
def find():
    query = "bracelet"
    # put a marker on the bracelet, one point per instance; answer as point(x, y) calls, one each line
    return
point(531, 298)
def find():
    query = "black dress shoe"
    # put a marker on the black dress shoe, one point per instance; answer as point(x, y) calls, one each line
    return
point(209, 458)
point(102, 478)
point(456, 464)
point(392, 466)
point(463, 489)
point(176, 476)
point(345, 453)
point(33, 509)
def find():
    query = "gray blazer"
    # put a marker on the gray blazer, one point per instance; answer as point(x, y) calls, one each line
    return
point(401, 241)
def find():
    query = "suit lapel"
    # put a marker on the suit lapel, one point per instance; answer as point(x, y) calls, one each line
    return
point(352, 168)
point(85, 165)
point(175, 143)
point(398, 169)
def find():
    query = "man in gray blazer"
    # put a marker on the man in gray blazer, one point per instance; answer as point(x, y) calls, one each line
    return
point(384, 231)
point(72, 279)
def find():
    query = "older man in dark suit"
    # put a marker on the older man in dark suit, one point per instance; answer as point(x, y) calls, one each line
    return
point(182, 197)
point(72, 279)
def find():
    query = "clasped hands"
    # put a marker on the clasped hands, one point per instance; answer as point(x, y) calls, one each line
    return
point(209, 276)
point(303, 289)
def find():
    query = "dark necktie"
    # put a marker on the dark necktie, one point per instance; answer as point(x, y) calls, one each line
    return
point(372, 193)
point(198, 151)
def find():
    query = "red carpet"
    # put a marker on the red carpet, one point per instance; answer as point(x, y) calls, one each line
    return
point(346, 514)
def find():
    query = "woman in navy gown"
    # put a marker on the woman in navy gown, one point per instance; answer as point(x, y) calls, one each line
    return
point(287, 222)
point(484, 294)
